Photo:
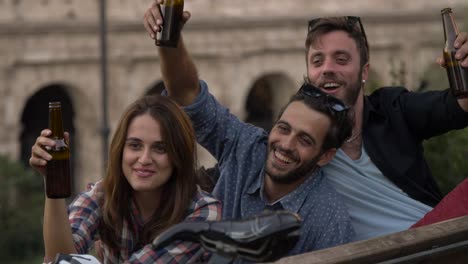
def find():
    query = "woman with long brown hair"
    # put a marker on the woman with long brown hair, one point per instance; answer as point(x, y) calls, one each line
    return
point(150, 185)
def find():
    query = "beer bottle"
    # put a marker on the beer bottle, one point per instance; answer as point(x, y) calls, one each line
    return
point(58, 178)
point(172, 22)
point(457, 75)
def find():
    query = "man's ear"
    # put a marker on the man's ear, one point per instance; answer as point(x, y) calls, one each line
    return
point(365, 72)
point(326, 157)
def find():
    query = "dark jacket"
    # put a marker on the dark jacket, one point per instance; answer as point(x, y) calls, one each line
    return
point(395, 124)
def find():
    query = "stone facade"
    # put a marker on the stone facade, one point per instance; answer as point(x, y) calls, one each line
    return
point(55, 44)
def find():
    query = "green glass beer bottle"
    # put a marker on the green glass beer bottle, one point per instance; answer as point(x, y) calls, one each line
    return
point(58, 178)
point(172, 22)
point(457, 75)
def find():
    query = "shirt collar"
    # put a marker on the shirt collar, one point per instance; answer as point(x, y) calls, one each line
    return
point(294, 200)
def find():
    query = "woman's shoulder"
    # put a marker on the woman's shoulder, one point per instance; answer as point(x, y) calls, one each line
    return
point(203, 197)
point(205, 205)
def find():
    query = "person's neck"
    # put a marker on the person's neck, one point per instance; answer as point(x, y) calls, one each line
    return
point(352, 147)
point(147, 203)
point(274, 191)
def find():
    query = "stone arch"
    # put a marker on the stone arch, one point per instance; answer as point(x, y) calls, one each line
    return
point(34, 118)
point(87, 165)
point(259, 104)
point(265, 98)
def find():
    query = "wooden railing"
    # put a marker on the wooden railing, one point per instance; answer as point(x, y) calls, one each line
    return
point(445, 242)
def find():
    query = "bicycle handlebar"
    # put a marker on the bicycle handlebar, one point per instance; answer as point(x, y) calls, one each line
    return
point(266, 237)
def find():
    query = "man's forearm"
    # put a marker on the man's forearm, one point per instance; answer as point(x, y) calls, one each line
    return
point(179, 74)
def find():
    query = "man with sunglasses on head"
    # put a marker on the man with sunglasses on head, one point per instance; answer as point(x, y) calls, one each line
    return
point(380, 169)
point(279, 171)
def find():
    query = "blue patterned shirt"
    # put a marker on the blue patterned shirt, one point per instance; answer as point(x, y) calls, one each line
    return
point(241, 149)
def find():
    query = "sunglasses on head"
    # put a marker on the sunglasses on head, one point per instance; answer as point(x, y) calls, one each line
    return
point(333, 103)
point(350, 23)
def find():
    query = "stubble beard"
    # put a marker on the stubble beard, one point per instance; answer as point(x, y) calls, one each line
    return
point(292, 176)
point(351, 95)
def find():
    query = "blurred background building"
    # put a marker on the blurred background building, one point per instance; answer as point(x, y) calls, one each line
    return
point(250, 52)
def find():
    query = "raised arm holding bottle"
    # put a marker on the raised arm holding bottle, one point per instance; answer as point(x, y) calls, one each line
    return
point(381, 170)
point(279, 171)
point(149, 186)
point(457, 70)
point(178, 71)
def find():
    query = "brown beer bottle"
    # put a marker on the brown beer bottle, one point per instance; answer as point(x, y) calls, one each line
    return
point(457, 75)
point(172, 22)
point(58, 178)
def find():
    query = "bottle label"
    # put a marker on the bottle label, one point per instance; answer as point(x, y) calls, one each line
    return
point(59, 145)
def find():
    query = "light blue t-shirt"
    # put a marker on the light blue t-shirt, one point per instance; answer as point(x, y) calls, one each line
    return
point(376, 205)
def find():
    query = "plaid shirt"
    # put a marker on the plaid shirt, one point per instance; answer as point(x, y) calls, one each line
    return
point(85, 214)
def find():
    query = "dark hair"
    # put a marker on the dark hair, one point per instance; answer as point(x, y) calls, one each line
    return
point(341, 124)
point(350, 24)
point(179, 138)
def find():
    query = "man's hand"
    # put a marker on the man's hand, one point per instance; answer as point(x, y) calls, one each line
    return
point(153, 19)
point(461, 43)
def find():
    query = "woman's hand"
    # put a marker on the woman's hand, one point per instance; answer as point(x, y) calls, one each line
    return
point(39, 155)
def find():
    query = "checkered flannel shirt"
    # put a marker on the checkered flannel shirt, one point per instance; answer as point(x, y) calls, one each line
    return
point(85, 214)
